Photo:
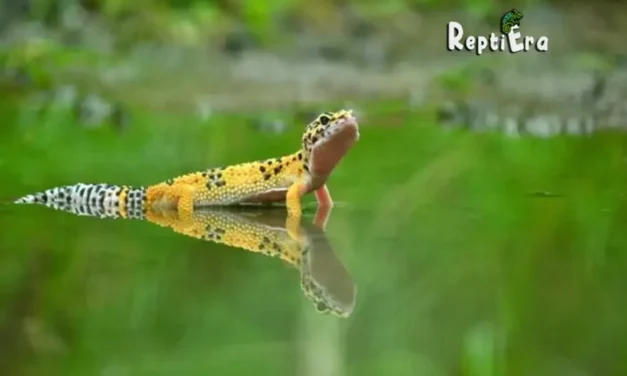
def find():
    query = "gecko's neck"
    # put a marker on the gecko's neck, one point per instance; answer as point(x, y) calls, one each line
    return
point(297, 157)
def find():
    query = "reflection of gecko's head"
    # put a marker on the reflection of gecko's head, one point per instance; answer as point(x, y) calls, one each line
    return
point(327, 139)
point(331, 291)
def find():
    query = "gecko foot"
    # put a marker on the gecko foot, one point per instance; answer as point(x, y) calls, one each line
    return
point(185, 204)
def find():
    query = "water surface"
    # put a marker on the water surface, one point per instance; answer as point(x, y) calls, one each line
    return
point(458, 267)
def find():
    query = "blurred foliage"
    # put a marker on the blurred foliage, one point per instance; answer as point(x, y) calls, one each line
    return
point(264, 21)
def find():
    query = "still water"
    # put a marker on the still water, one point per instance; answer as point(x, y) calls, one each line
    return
point(438, 259)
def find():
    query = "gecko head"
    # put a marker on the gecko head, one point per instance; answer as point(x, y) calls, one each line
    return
point(327, 139)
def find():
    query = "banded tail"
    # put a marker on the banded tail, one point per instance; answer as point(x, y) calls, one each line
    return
point(95, 200)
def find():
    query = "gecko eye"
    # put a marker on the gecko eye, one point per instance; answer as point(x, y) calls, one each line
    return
point(324, 120)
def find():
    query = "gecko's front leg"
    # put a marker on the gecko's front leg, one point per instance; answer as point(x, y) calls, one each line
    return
point(294, 212)
point(325, 204)
point(292, 199)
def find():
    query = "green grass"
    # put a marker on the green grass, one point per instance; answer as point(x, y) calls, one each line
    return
point(458, 269)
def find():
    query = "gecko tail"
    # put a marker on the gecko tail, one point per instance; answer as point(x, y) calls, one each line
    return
point(37, 198)
point(95, 200)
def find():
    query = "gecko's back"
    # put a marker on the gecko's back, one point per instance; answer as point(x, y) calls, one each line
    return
point(264, 181)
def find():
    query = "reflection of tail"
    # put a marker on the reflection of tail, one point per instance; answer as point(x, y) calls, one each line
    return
point(98, 200)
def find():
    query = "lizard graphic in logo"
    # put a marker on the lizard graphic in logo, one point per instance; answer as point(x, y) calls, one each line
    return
point(509, 19)
point(508, 38)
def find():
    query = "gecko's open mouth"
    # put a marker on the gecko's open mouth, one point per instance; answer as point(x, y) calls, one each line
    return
point(333, 145)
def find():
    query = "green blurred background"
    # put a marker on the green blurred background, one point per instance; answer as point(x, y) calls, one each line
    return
point(474, 253)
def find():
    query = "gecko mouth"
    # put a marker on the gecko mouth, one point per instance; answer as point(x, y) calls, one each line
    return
point(335, 142)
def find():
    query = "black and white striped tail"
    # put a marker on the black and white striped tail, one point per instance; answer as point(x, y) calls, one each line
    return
point(96, 200)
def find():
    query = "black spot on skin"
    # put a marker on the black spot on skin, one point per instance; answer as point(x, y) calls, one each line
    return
point(300, 156)
point(294, 159)
point(324, 120)
point(270, 162)
point(262, 169)
point(169, 182)
point(265, 239)
point(208, 185)
point(221, 231)
point(219, 175)
point(220, 183)
point(212, 177)
point(261, 246)
point(321, 307)
point(314, 139)
point(204, 174)
point(267, 176)
point(306, 167)
point(278, 169)
point(279, 160)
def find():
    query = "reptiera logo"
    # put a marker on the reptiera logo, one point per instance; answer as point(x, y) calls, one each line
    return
point(509, 39)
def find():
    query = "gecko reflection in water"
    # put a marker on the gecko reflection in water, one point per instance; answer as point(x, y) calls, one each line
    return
point(270, 231)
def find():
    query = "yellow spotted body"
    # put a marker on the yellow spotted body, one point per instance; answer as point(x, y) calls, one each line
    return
point(241, 183)
point(285, 179)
